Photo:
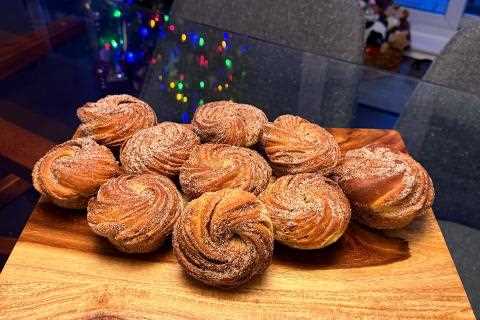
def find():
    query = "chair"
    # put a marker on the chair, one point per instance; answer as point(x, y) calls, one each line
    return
point(441, 129)
point(332, 28)
point(328, 28)
point(457, 66)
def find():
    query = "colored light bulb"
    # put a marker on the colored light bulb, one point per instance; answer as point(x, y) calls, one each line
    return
point(185, 99)
point(202, 84)
point(117, 13)
point(114, 43)
point(201, 102)
point(166, 18)
point(130, 57)
point(143, 31)
point(201, 41)
point(180, 85)
point(152, 23)
point(179, 96)
point(224, 44)
point(226, 85)
point(228, 63)
point(172, 85)
point(220, 88)
point(171, 27)
point(183, 37)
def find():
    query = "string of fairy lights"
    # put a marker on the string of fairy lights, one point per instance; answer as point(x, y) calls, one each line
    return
point(193, 66)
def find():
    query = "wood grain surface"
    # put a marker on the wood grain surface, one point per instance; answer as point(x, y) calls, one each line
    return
point(61, 270)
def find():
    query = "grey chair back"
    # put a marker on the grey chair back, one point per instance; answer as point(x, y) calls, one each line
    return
point(441, 129)
point(332, 28)
point(458, 65)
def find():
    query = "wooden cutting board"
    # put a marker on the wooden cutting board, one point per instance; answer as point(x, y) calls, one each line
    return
point(60, 270)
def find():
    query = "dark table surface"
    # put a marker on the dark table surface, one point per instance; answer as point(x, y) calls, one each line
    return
point(177, 65)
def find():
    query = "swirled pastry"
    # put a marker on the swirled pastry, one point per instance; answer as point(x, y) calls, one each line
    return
point(71, 172)
point(308, 211)
point(114, 119)
point(212, 167)
point(387, 189)
point(160, 149)
point(229, 122)
point(294, 145)
point(224, 238)
point(136, 213)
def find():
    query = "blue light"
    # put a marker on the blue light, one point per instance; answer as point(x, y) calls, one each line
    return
point(226, 36)
point(194, 38)
point(161, 33)
point(144, 32)
point(185, 117)
point(130, 57)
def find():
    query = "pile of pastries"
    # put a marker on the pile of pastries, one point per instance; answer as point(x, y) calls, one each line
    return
point(226, 186)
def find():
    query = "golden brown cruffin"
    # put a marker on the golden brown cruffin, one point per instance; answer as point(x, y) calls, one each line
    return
point(229, 123)
point(160, 149)
point(212, 167)
point(114, 119)
point(135, 212)
point(224, 238)
point(71, 172)
point(387, 189)
point(294, 145)
point(308, 211)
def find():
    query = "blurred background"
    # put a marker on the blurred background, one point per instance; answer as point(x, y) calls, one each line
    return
point(409, 65)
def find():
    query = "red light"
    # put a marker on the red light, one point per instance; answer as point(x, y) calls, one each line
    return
point(182, 76)
point(202, 61)
point(230, 77)
point(107, 46)
point(171, 27)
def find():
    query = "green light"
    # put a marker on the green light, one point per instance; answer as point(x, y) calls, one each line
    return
point(166, 18)
point(201, 102)
point(114, 43)
point(202, 84)
point(180, 86)
point(117, 13)
point(228, 63)
point(201, 42)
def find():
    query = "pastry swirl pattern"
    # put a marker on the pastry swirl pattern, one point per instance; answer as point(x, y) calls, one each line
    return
point(71, 172)
point(114, 119)
point(229, 123)
point(224, 238)
point(212, 167)
point(294, 145)
point(308, 211)
point(160, 149)
point(135, 212)
point(387, 189)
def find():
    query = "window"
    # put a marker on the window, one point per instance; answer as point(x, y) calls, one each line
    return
point(473, 7)
point(434, 6)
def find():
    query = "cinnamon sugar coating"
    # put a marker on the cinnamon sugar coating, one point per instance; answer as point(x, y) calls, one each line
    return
point(71, 172)
point(229, 123)
point(114, 119)
point(212, 167)
point(294, 145)
point(135, 212)
point(387, 189)
point(160, 149)
point(308, 211)
point(224, 238)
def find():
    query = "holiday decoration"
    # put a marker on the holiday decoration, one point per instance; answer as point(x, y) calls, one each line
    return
point(387, 33)
point(192, 66)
